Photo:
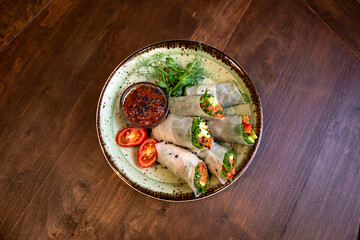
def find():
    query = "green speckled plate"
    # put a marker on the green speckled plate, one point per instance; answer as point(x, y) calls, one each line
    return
point(156, 181)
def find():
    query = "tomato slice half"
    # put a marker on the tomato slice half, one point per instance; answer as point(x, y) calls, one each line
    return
point(131, 136)
point(147, 154)
point(247, 128)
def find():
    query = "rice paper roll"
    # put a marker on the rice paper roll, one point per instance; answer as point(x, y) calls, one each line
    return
point(184, 131)
point(174, 129)
point(186, 106)
point(232, 129)
point(185, 165)
point(220, 161)
point(226, 93)
point(239, 109)
point(205, 106)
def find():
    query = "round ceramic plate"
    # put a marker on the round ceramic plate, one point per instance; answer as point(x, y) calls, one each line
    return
point(156, 181)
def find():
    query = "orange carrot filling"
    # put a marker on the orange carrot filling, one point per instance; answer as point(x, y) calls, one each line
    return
point(217, 110)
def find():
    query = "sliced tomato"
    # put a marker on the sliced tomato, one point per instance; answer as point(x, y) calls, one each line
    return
point(247, 128)
point(147, 154)
point(131, 136)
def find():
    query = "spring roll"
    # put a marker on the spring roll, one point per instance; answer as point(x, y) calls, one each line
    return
point(233, 128)
point(226, 93)
point(220, 161)
point(184, 131)
point(239, 109)
point(204, 105)
point(185, 165)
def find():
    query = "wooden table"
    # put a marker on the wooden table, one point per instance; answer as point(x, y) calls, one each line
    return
point(303, 57)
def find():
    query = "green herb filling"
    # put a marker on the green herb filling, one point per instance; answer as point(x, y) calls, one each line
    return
point(200, 187)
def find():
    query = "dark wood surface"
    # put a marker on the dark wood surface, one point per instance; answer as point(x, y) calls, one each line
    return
point(15, 15)
point(342, 18)
point(303, 57)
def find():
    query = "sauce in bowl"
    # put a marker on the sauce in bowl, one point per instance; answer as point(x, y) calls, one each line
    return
point(144, 105)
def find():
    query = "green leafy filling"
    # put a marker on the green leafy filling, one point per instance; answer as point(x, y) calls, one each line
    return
point(205, 98)
point(195, 131)
point(226, 163)
point(239, 129)
point(245, 96)
point(197, 184)
point(247, 139)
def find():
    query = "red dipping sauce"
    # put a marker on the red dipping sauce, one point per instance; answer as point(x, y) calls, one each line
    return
point(144, 105)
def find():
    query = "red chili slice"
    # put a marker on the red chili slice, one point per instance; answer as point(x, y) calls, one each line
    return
point(147, 154)
point(131, 136)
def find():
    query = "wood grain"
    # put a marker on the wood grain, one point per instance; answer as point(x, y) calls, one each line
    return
point(302, 184)
point(72, 109)
point(342, 18)
point(327, 194)
point(15, 15)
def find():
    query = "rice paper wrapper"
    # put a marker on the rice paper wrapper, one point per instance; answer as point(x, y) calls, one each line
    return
point(175, 129)
point(214, 159)
point(179, 161)
point(201, 89)
point(207, 81)
point(228, 129)
point(226, 93)
point(241, 109)
point(187, 106)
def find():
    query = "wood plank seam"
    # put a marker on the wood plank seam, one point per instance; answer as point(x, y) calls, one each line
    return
point(238, 23)
point(27, 24)
point(331, 30)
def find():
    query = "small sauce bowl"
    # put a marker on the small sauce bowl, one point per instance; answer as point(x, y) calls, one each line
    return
point(144, 105)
